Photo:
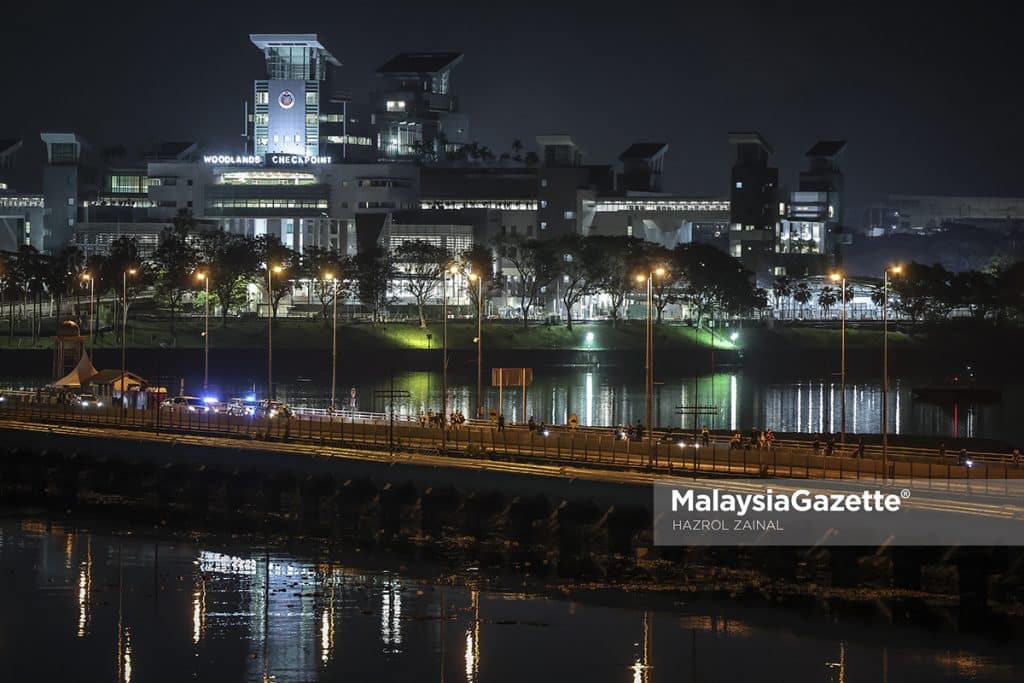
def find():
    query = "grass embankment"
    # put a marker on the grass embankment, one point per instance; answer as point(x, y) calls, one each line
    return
point(498, 335)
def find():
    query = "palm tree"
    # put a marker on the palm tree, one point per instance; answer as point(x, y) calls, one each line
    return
point(801, 295)
point(827, 298)
point(517, 150)
point(781, 288)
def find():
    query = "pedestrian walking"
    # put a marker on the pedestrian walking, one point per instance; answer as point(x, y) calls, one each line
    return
point(501, 422)
point(630, 431)
point(705, 436)
point(860, 447)
point(1018, 460)
point(639, 431)
point(531, 425)
point(942, 450)
point(816, 445)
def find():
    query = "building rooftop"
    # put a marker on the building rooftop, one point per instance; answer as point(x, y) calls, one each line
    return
point(265, 41)
point(644, 150)
point(171, 150)
point(419, 63)
point(826, 148)
point(9, 146)
point(749, 138)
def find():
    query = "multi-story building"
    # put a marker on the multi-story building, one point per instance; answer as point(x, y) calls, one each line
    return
point(753, 202)
point(415, 109)
point(922, 214)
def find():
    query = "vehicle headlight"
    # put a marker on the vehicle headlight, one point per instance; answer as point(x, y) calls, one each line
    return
point(99, 404)
point(191, 409)
point(273, 413)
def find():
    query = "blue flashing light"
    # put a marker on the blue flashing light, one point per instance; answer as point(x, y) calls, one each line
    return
point(250, 397)
point(209, 399)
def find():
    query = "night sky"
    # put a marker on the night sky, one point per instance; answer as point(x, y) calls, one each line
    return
point(927, 95)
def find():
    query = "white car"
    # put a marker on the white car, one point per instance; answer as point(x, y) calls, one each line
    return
point(88, 401)
point(186, 404)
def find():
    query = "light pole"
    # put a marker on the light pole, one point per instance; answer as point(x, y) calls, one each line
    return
point(649, 355)
point(473, 277)
point(895, 270)
point(92, 316)
point(205, 277)
point(124, 340)
point(270, 329)
point(840, 278)
point(444, 349)
point(334, 334)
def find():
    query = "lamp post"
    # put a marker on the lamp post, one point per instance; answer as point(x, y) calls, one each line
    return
point(840, 278)
point(124, 340)
point(205, 277)
point(92, 316)
point(334, 335)
point(473, 277)
point(649, 355)
point(895, 270)
point(270, 329)
point(444, 349)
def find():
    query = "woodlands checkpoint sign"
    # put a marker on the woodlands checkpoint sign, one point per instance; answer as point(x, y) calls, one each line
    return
point(268, 160)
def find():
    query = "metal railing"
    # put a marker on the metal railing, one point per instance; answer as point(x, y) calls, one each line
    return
point(584, 448)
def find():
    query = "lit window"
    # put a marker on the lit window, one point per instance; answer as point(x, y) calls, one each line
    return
point(570, 215)
point(393, 105)
point(739, 184)
point(543, 225)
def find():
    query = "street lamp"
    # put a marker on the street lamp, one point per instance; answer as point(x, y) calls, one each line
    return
point(473, 277)
point(124, 340)
point(444, 346)
point(649, 355)
point(270, 329)
point(205, 278)
point(895, 270)
point(840, 278)
point(334, 334)
point(92, 318)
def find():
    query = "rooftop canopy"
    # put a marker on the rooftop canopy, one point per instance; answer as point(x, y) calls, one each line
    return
point(419, 63)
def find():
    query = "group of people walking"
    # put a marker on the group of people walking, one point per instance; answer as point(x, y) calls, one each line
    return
point(431, 419)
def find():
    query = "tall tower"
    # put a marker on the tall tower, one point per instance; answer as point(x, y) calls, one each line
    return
point(287, 104)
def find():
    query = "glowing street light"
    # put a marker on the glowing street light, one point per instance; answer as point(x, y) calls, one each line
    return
point(841, 279)
point(895, 270)
point(649, 356)
point(205, 278)
point(473, 277)
point(334, 335)
point(270, 329)
point(124, 340)
point(92, 317)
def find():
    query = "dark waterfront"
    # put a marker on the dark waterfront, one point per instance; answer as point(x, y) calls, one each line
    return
point(129, 604)
point(805, 399)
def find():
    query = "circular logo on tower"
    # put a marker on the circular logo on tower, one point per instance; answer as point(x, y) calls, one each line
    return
point(286, 99)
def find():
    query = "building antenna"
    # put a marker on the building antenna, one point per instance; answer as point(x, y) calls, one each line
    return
point(245, 130)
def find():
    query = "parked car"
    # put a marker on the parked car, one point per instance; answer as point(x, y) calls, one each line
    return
point(186, 404)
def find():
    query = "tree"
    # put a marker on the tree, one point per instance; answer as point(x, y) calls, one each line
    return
point(533, 262)
point(231, 260)
point(575, 262)
point(420, 265)
point(712, 281)
point(320, 262)
point(801, 295)
point(616, 260)
point(923, 292)
point(479, 260)
point(665, 286)
point(61, 272)
point(977, 292)
point(374, 271)
point(174, 263)
point(283, 266)
point(517, 150)
point(1010, 289)
point(781, 288)
point(123, 257)
point(827, 299)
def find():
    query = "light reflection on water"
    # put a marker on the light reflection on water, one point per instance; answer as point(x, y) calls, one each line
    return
point(221, 611)
point(609, 396)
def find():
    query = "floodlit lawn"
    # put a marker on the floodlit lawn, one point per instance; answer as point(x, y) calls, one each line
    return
point(299, 334)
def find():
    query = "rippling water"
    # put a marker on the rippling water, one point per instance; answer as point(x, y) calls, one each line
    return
point(130, 606)
point(610, 396)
